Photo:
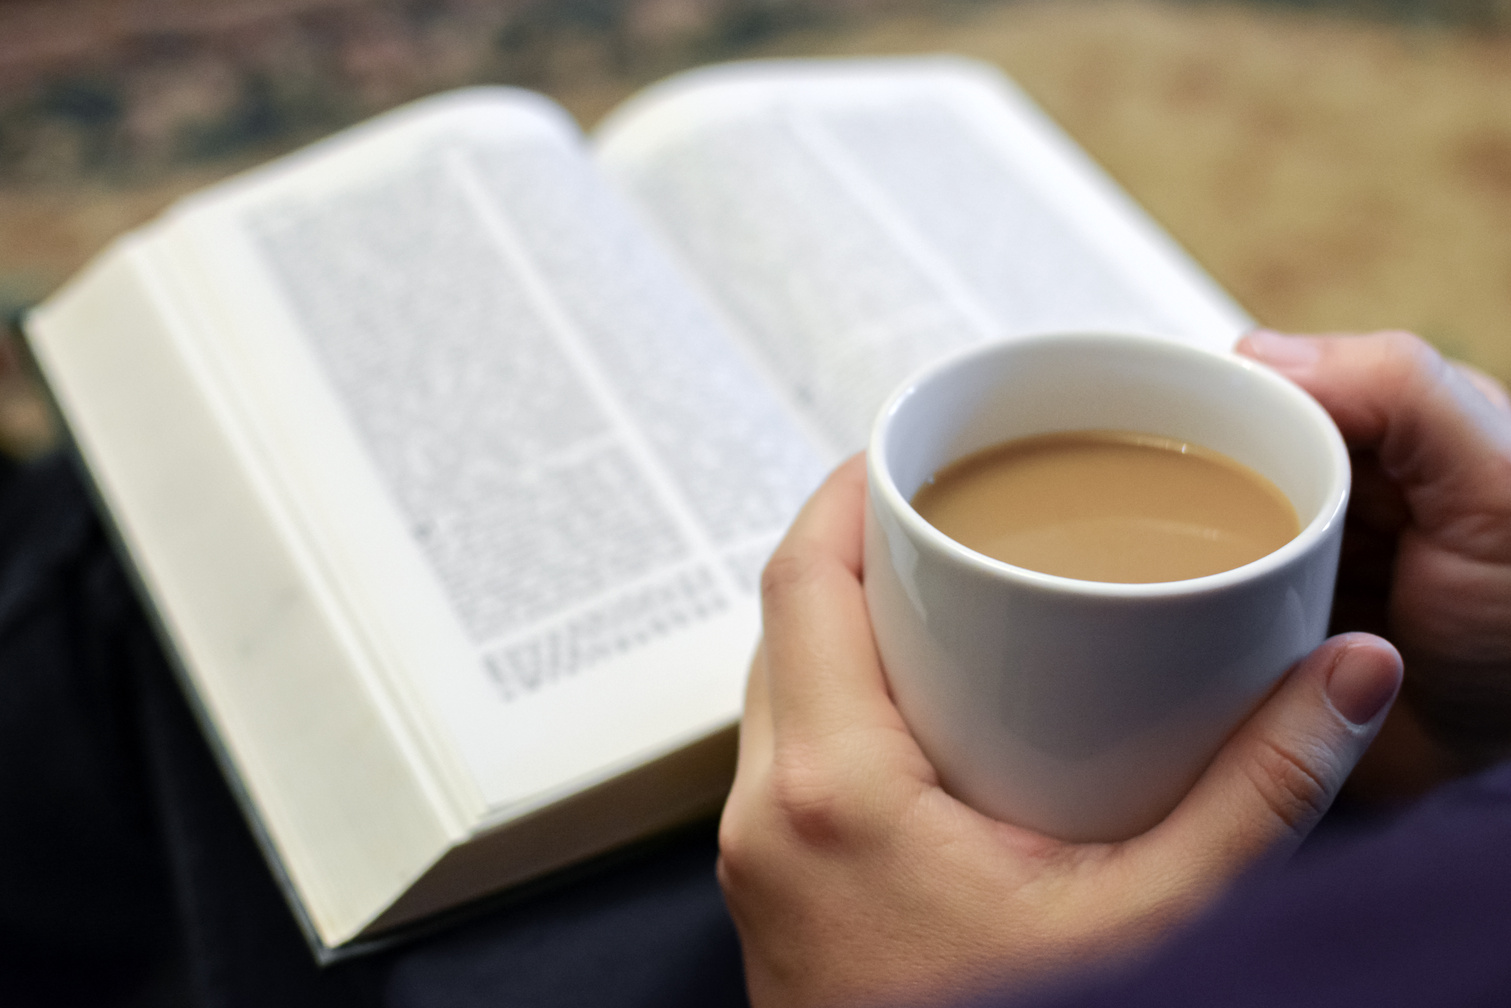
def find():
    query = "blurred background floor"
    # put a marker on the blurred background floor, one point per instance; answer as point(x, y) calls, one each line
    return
point(1336, 165)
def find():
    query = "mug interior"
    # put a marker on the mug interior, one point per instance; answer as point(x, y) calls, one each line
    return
point(999, 392)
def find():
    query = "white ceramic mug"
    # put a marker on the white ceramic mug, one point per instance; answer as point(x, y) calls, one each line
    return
point(1087, 709)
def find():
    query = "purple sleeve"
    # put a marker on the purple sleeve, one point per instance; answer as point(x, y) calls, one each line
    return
point(1414, 911)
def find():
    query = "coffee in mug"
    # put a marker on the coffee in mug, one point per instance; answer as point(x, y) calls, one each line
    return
point(1086, 708)
point(1108, 505)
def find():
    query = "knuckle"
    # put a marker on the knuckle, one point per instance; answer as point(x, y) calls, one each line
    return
point(1406, 358)
point(815, 809)
point(733, 881)
point(799, 809)
point(742, 883)
point(1295, 792)
point(785, 571)
point(731, 834)
point(1403, 342)
point(745, 847)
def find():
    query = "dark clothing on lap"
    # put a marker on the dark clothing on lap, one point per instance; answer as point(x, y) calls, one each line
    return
point(128, 877)
point(1415, 912)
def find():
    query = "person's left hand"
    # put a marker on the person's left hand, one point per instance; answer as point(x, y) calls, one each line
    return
point(854, 878)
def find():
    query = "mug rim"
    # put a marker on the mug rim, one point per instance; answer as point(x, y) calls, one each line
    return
point(1334, 502)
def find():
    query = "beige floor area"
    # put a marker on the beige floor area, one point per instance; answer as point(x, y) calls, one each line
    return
point(1335, 172)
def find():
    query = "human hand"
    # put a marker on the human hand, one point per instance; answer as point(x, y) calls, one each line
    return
point(1427, 548)
point(853, 878)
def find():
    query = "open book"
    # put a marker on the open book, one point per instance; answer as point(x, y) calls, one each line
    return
point(449, 450)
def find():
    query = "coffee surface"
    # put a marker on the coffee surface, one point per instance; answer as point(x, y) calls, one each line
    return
point(1109, 506)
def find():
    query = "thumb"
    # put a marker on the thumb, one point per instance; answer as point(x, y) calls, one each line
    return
point(1278, 774)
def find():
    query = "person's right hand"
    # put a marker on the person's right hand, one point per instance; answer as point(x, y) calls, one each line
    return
point(854, 877)
point(1427, 551)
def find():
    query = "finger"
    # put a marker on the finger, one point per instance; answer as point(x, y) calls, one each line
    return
point(823, 674)
point(1273, 780)
point(755, 722)
point(1438, 434)
point(1375, 500)
point(1488, 385)
point(752, 763)
point(742, 817)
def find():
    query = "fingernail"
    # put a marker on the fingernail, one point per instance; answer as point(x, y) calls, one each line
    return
point(1284, 353)
point(1362, 683)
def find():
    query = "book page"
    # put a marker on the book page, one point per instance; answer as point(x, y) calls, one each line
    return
point(860, 218)
point(540, 475)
